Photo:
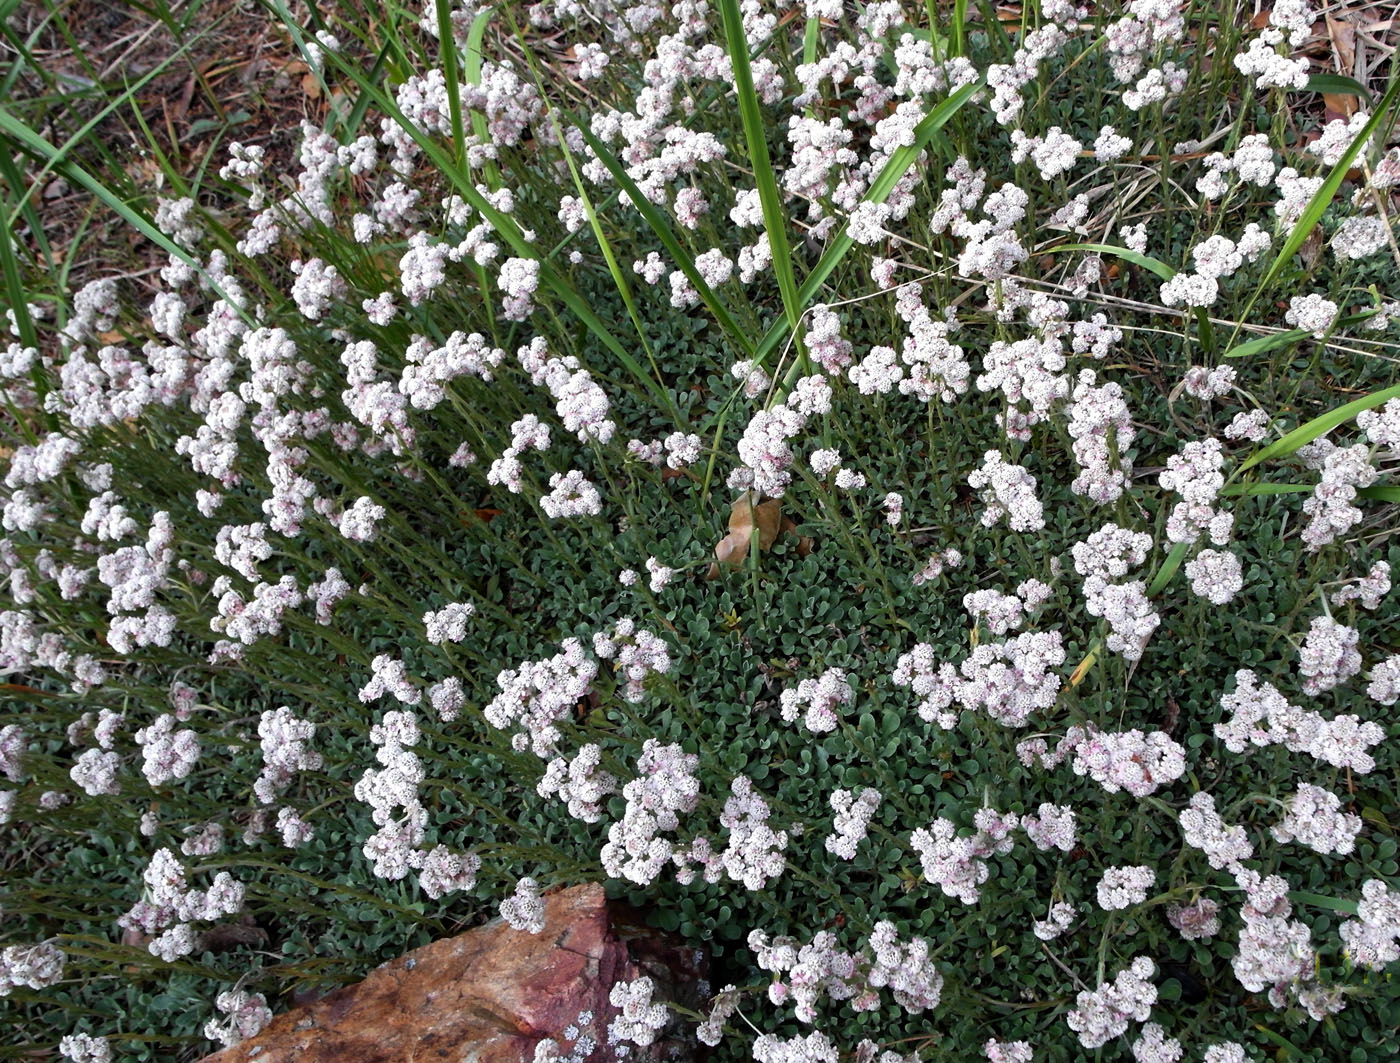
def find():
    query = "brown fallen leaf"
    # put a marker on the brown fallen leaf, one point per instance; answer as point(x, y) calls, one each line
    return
point(227, 936)
point(1343, 37)
point(744, 517)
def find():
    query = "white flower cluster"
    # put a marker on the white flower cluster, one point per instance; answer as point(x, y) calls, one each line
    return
point(397, 846)
point(1124, 760)
point(937, 368)
point(519, 279)
point(1009, 680)
point(936, 565)
point(84, 1048)
point(285, 743)
point(169, 907)
point(1197, 920)
point(1329, 655)
point(640, 1019)
point(1012, 679)
point(390, 676)
point(958, 866)
point(1008, 1051)
point(754, 853)
point(1123, 887)
point(33, 966)
point(1382, 426)
point(538, 694)
point(360, 522)
point(524, 909)
point(1007, 491)
point(1344, 470)
point(580, 783)
point(821, 698)
point(1215, 575)
point(1059, 919)
point(665, 788)
point(764, 449)
point(167, 754)
point(1005, 612)
point(1052, 827)
point(1373, 937)
point(1102, 1014)
point(1154, 1046)
point(1262, 716)
point(1195, 475)
point(1385, 681)
point(1206, 384)
point(852, 820)
point(1313, 313)
point(639, 653)
point(527, 433)
point(821, 968)
point(1102, 429)
point(428, 370)
point(580, 402)
point(1274, 953)
point(1368, 590)
point(1201, 826)
point(245, 1015)
point(448, 624)
point(1314, 817)
point(571, 495)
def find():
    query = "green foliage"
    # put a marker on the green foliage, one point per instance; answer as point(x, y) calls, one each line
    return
point(836, 585)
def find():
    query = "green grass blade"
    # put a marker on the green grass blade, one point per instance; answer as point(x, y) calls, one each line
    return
point(447, 49)
point(1175, 556)
point(32, 142)
point(1321, 425)
point(1271, 342)
point(1385, 493)
point(1332, 904)
point(51, 156)
point(1156, 265)
point(750, 114)
point(475, 36)
point(1338, 84)
point(619, 276)
point(661, 228)
point(1322, 199)
point(895, 168)
point(1246, 490)
point(506, 227)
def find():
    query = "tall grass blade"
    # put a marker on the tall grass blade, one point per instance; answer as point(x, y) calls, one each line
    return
point(895, 168)
point(751, 115)
point(54, 160)
point(1323, 197)
point(505, 226)
point(661, 228)
point(1306, 433)
point(447, 49)
point(475, 36)
point(1147, 262)
point(1271, 342)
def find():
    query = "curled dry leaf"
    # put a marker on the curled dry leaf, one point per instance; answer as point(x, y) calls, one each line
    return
point(745, 515)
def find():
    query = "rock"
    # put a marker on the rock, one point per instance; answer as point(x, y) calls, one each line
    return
point(491, 994)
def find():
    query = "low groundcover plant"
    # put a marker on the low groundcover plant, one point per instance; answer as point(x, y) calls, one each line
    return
point(1033, 369)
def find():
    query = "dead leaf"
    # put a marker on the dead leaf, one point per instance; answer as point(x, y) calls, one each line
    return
point(1311, 251)
point(229, 935)
point(1343, 38)
point(1343, 35)
point(744, 517)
